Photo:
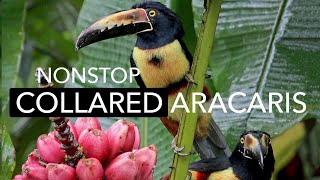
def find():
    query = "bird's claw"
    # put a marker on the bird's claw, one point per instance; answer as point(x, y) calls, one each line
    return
point(189, 78)
point(176, 149)
point(189, 176)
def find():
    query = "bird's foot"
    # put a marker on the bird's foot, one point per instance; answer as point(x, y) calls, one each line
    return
point(189, 176)
point(176, 149)
point(189, 78)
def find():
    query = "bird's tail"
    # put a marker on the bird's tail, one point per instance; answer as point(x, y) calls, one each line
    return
point(214, 145)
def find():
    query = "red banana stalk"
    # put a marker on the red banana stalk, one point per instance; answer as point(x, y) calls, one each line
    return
point(72, 129)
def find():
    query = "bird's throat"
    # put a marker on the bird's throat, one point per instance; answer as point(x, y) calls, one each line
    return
point(163, 66)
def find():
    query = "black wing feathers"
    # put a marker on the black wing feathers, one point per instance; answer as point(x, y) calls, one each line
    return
point(210, 165)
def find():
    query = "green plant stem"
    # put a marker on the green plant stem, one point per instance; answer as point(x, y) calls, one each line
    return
point(183, 8)
point(199, 67)
point(144, 132)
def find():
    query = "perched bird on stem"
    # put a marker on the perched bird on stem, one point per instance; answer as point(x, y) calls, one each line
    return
point(164, 62)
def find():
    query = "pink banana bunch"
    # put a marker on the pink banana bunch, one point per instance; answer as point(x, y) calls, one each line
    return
point(113, 154)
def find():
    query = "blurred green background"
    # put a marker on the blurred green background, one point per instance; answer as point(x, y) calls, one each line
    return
point(261, 46)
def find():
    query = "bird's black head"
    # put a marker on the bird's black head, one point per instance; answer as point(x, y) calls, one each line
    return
point(253, 157)
point(166, 26)
point(154, 23)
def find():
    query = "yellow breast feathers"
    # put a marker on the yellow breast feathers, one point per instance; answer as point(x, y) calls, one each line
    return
point(223, 175)
point(170, 66)
point(226, 174)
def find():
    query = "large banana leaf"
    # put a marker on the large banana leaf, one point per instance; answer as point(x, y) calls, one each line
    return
point(12, 17)
point(261, 46)
point(267, 46)
point(13, 13)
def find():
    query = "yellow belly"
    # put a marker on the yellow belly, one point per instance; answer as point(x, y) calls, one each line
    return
point(226, 174)
point(172, 68)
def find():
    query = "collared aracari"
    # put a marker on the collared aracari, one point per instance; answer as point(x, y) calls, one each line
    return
point(164, 62)
point(251, 159)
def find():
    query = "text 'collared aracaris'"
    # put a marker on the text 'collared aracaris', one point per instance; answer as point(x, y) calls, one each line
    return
point(88, 102)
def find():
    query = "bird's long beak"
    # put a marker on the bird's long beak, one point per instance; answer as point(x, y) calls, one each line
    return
point(256, 148)
point(114, 25)
point(258, 155)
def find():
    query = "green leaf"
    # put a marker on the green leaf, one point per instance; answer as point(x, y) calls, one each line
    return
point(53, 34)
point(183, 9)
point(267, 46)
point(7, 155)
point(13, 13)
point(49, 37)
